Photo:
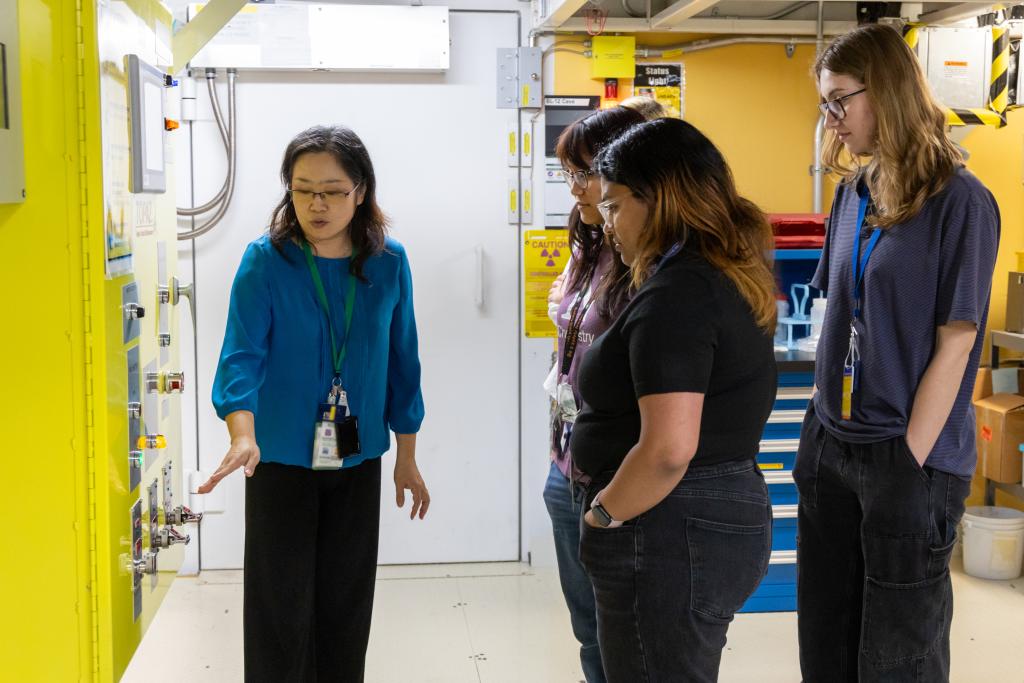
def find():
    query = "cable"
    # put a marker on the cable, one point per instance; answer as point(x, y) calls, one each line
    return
point(232, 133)
point(219, 117)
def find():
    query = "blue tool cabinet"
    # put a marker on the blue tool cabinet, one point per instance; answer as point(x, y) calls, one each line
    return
point(777, 592)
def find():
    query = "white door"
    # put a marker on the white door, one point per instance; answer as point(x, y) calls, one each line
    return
point(436, 141)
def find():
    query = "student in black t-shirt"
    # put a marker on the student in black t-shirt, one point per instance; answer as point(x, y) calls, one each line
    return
point(887, 448)
point(676, 394)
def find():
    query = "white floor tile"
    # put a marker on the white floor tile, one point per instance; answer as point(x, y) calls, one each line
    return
point(507, 623)
point(520, 630)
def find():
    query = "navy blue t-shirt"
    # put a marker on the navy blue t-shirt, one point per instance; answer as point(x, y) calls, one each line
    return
point(934, 269)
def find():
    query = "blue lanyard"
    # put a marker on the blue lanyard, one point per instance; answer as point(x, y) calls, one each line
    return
point(858, 274)
point(675, 249)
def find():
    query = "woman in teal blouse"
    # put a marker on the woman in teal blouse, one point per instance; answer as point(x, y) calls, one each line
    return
point(321, 314)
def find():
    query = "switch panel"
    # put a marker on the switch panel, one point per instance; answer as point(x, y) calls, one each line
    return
point(131, 311)
point(135, 461)
point(137, 558)
point(154, 524)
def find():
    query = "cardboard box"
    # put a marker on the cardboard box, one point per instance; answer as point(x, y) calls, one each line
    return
point(1000, 432)
point(982, 384)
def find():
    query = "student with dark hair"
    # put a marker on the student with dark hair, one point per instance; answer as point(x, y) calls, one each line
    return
point(319, 363)
point(887, 449)
point(676, 394)
point(593, 291)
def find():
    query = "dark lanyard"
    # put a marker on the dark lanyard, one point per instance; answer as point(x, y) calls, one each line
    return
point(576, 318)
point(338, 357)
point(858, 274)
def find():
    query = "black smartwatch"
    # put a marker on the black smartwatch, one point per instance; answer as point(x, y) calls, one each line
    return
point(601, 516)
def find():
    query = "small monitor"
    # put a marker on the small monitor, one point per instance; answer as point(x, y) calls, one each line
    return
point(146, 114)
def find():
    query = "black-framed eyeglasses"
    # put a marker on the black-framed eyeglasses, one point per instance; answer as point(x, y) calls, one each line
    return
point(581, 178)
point(328, 197)
point(835, 107)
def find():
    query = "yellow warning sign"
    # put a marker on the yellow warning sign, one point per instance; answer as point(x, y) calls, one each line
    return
point(545, 253)
point(614, 57)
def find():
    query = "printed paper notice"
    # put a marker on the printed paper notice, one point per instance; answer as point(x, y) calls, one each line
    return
point(661, 82)
point(545, 253)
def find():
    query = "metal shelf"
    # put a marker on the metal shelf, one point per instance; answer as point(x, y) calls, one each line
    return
point(1001, 339)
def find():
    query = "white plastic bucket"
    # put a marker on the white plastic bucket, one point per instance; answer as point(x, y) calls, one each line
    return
point(993, 542)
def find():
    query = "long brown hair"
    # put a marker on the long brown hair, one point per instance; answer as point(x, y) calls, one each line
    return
point(913, 156)
point(586, 138)
point(692, 200)
point(369, 225)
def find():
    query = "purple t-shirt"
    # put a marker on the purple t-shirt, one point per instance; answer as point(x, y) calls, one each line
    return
point(593, 326)
point(932, 270)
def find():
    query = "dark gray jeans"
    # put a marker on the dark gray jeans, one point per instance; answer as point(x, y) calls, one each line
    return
point(875, 535)
point(669, 582)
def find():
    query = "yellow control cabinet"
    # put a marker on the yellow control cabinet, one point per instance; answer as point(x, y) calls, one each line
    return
point(91, 303)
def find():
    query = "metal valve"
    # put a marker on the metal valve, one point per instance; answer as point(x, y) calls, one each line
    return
point(182, 515)
point(164, 340)
point(167, 537)
point(172, 293)
point(135, 410)
point(152, 382)
point(145, 565)
point(134, 311)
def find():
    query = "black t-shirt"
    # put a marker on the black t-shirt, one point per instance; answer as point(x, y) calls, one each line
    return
point(688, 329)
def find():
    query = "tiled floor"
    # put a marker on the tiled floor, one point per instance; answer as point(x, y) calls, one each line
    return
point(506, 623)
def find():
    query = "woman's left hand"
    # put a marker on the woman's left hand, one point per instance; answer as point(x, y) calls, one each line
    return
point(407, 476)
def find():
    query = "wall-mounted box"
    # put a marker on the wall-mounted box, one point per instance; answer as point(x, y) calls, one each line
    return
point(330, 38)
point(12, 144)
point(958, 64)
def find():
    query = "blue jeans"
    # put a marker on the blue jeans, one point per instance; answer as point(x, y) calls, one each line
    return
point(563, 503)
point(669, 581)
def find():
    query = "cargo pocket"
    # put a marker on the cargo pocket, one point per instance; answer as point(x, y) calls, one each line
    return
point(903, 621)
point(727, 562)
point(808, 458)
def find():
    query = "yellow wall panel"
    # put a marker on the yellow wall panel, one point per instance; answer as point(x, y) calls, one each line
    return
point(41, 350)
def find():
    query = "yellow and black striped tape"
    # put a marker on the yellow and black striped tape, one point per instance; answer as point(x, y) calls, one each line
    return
point(999, 84)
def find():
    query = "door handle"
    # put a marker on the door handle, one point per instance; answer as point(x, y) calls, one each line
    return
point(479, 292)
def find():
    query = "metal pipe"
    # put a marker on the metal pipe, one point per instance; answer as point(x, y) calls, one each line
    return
point(630, 11)
point(817, 170)
point(218, 116)
point(708, 44)
point(232, 146)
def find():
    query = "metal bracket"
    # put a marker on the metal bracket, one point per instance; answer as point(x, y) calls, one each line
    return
point(519, 78)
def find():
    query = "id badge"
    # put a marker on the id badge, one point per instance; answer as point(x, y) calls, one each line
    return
point(335, 437)
point(566, 402)
point(849, 379)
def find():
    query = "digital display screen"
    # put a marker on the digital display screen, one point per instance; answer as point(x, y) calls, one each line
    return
point(5, 121)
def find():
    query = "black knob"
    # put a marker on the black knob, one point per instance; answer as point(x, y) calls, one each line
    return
point(140, 312)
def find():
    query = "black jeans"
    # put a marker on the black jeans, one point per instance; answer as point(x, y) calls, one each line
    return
point(669, 582)
point(876, 531)
point(310, 568)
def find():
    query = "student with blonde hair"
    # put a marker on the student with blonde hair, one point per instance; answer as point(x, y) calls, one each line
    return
point(887, 448)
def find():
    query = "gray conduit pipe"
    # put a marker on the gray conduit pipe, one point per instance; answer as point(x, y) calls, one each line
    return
point(817, 169)
point(232, 146)
point(219, 117)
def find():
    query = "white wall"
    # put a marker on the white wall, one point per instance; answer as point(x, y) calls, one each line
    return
point(533, 527)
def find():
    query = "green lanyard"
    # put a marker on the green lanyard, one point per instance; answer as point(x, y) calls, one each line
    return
point(350, 304)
